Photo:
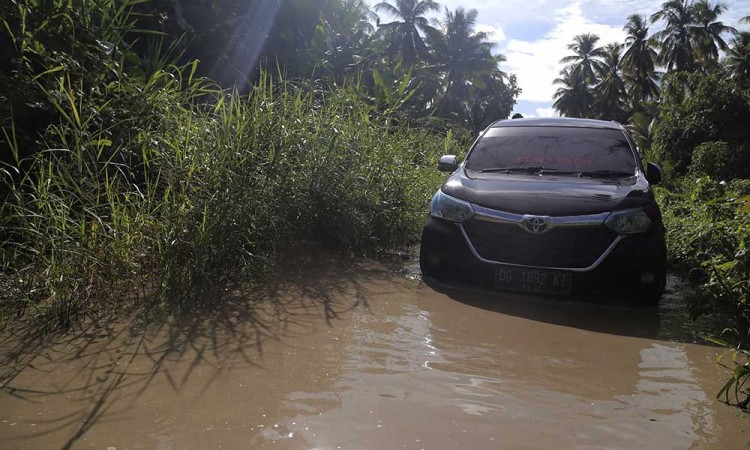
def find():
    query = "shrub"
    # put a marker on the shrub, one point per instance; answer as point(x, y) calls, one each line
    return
point(708, 231)
point(145, 186)
point(697, 108)
point(721, 160)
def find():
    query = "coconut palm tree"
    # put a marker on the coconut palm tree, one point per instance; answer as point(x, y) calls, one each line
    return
point(610, 91)
point(405, 37)
point(708, 32)
point(676, 39)
point(584, 63)
point(640, 126)
point(494, 101)
point(343, 39)
point(737, 59)
point(638, 62)
point(574, 98)
point(463, 60)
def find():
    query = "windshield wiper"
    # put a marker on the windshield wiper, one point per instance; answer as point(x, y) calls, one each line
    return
point(605, 173)
point(536, 170)
point(558, 172)
point(527, 169)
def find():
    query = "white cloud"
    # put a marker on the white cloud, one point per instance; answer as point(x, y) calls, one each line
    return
point(495, 33)
point(546, 112)
point(539, 112)
point(536, 63)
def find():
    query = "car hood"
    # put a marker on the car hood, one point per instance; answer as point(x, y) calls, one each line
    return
point(548, 194)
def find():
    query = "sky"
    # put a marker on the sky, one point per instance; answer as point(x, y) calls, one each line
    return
point(534, 34)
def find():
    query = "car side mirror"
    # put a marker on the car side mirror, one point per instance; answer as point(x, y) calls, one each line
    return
point(447, 163)
point(653, 173)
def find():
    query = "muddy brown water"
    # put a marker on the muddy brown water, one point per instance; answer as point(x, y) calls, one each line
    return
point(362, 355)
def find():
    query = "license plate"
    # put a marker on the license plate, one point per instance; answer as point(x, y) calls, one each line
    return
point(530, 280)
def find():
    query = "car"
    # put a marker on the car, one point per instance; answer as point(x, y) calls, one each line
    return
point(557, 206)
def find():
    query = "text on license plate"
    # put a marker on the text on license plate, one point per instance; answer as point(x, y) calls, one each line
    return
point(530, 280)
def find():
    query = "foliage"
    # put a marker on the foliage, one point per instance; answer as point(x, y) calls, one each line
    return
point(127, 175)
point(639, 127)
point(709, 32)
point(234, 38)
point(638, 62)
point(405, 40)
point(698, 108)
point(343, 41)
point(737, 59)
point(708, 232)
point(476, 91)
point(141, 187)
point(734, 389)
point(611, 99)
point(43, 37)
point(698, 132)
point(130, 172)
point(331, 41)
point(721, 160)
point(690, 39)
point(574, 98)
point(677, 51)
point(585, 62)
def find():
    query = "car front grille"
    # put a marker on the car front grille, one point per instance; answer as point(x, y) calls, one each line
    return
point(563, 247)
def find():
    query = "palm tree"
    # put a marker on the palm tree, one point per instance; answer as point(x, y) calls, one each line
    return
point(610, 91)
point(638, 62)
point(676, 39)
point(640, 126)
point(463, 59)
point(574, 97)
point(343, 39)
point(708, 31)
point(737, 59)
point(583, 62)
point(494, 101)
point(405, 34)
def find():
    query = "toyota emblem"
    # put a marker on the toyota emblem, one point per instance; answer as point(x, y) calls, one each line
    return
point(535, 224)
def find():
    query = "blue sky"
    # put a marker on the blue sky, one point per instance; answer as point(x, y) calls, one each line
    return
point(533, 35)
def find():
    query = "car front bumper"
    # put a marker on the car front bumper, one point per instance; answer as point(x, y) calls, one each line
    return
point(636, 265)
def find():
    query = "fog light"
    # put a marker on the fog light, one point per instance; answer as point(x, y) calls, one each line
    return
point(647, 278)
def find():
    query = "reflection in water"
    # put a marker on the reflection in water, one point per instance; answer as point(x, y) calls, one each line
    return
point(356, 356)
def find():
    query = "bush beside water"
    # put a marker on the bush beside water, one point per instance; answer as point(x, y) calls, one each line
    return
point(708, 231)
point(708, 234)
point(163, 190)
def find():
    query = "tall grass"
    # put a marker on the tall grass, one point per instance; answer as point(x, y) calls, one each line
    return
point(159, 190)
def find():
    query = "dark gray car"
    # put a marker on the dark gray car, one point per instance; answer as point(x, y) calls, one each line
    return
point(554, 206)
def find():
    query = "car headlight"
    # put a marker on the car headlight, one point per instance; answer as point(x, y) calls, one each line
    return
point(628, 221)
point(449, 208)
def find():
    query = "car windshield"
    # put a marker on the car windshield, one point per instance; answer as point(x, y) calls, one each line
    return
point(550, 150)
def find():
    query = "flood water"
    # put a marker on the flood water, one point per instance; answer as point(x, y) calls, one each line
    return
point(364, 355)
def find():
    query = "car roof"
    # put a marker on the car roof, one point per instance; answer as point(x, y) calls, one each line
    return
point(557, 122)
